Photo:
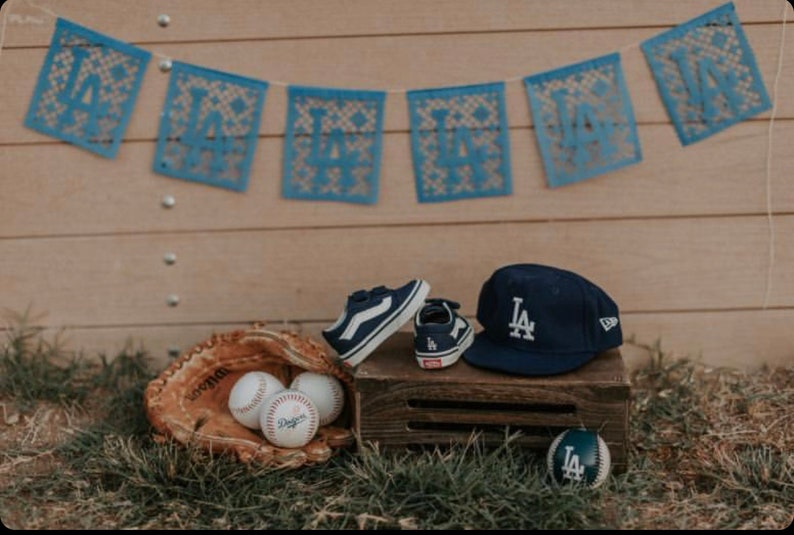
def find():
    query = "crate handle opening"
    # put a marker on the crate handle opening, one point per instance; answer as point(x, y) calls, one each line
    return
point(491, 406)
point(525, 430)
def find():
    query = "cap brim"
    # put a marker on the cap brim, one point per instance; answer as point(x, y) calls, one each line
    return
point(484, 353)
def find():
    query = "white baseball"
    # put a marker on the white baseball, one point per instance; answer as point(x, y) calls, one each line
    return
point(325, 390)
point(289, 419)
point(249, 393)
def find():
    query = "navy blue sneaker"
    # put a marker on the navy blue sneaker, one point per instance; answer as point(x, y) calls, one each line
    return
point(440, 335)
point(370, 317)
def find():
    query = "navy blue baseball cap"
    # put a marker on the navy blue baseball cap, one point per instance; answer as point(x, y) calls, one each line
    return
point(542, 320)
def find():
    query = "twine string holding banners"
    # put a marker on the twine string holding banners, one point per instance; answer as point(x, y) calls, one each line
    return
point(271, 82)
point(768, 169)
point(770, 132)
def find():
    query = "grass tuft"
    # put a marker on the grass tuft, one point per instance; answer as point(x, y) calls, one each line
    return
point(710, 449)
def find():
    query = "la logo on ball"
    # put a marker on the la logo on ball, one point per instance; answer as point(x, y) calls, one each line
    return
point(579, 456)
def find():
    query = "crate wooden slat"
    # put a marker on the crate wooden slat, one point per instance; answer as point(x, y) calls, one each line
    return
point(400, 404)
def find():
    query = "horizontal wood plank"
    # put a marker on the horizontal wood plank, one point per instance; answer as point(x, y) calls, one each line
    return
point(695, 243)
point(740, 339)
point(306, 274)
point(401, 62)
point(31, 22)
point(70, 191)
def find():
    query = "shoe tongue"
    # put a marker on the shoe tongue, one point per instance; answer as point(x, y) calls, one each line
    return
point(434, 313)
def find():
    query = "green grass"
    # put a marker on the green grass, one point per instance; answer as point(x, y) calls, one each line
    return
point(710, 449)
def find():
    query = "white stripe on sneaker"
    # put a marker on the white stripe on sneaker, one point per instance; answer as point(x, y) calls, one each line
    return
point(364, 316)
point(460, 323)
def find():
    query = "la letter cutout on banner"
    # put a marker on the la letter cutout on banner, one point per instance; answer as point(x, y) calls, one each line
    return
point(460, 143)
point(333, 143)
point(706, 74)
point(209, 126)
point(86, 88)
point(584, 121)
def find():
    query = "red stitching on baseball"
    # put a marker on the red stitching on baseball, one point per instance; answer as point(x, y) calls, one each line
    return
point(251, 405)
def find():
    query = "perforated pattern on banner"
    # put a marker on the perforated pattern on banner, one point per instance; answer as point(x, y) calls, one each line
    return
point(706, 74)
point(460, 143)
point(333, 144)
point(584, 121)
point(209, 127)
point(86, 88)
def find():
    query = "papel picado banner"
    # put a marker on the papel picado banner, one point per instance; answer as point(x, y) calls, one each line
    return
point(704, 70)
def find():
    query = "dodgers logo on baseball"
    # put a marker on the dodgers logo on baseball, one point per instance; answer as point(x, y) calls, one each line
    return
point(289, 419)
point(292, 422)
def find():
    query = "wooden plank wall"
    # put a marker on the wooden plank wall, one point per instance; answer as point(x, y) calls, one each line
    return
point(696, 244)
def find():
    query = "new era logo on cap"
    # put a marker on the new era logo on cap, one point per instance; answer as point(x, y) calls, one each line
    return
point(608, 323)
point(542, 320)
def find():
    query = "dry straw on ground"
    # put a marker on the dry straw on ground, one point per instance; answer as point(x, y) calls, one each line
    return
point(710, 449)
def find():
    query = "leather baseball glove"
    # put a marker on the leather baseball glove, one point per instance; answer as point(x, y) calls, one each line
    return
point(188, 401)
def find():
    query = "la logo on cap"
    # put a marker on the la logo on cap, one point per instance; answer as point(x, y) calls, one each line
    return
point(521, 322)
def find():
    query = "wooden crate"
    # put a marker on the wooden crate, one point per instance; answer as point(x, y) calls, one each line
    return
point(400, 404)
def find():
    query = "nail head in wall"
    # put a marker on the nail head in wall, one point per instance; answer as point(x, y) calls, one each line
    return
point(172, 300)
point(169, 201)
point(163, 20)
point(169, 258)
